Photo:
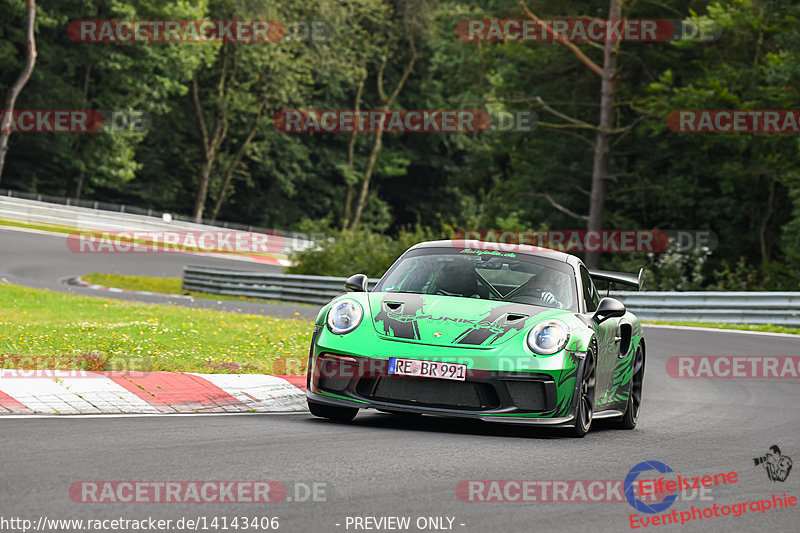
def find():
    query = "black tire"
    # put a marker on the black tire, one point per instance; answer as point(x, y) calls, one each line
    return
point(332, 412)
point(585, 411)
point(631, 416)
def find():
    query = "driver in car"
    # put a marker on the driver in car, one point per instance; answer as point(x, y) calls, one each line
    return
point(542, 286)
point(458, 279)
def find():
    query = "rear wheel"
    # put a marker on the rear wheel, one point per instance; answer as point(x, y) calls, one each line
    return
point(332, 412)
point(631, 416)
point(585, 411)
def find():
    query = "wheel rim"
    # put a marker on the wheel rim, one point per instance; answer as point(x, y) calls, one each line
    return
point(587, 392)
point(636, 383)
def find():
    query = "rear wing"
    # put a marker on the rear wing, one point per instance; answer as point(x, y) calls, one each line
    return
point(631, 280)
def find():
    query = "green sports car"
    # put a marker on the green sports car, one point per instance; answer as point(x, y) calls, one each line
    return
point(459, 328)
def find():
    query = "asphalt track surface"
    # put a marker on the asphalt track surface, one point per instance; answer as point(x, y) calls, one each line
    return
point(383, 465)
point(44, 261)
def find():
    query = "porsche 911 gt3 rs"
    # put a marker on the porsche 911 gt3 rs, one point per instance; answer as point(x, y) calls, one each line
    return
point(459, 328)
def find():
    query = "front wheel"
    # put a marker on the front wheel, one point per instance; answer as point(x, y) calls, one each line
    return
point(585, 411)
point(332, 412)
point(631, 416)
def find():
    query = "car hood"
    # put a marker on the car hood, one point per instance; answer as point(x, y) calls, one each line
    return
point(451, 321)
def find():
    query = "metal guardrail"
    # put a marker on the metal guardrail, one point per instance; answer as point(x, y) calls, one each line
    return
point(780, 308)
point(88, 218)
point(729, 307)
point(55, 202)
point(287, 287)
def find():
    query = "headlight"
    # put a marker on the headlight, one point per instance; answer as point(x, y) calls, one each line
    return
point(548, 337)
point(344, 316)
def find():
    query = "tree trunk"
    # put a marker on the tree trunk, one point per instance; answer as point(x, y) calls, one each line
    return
point(211, 143)
point(78, 189)
point(762, 231)
point(376, 147)
point(600, 163)
point(79, 185)
point(236, 160)
point(23, 78)
point(202, 192)
point(362, 197)
point(351, 149)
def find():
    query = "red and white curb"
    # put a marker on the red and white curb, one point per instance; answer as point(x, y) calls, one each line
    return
point(80, 392)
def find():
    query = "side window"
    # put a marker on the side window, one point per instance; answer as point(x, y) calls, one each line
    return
point(590, 295)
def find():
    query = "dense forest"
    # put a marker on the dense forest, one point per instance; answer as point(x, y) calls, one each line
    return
point(211, 148)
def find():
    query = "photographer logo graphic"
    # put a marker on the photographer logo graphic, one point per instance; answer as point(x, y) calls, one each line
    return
point(777, 466)
point(630, 485)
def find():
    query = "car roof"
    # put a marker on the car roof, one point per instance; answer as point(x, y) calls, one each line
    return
point(525, 249)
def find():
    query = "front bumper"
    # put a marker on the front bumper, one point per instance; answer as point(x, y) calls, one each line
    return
point(492, 396)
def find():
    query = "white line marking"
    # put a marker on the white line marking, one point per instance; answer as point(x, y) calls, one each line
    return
point(31, 230)
point(720, 330)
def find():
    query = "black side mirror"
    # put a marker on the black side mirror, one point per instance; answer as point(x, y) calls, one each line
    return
point(356, 283)
point(608, 308)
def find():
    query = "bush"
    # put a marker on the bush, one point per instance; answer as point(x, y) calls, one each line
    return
point(357, 252)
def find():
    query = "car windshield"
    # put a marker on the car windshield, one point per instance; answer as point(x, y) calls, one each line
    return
point(507, 277)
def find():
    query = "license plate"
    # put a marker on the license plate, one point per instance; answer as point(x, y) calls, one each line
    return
point(427, 369)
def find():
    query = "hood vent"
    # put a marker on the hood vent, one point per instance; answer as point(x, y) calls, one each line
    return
point(510, 318)
point(394, 307)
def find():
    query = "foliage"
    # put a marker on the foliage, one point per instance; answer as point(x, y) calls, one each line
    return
point(743, 187)
point(357, 252)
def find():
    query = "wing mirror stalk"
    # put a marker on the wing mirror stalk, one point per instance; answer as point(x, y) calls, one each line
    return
point(608, 308)
point(356, 283)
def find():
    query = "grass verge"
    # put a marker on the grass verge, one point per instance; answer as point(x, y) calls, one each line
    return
point(136, 283)
point(44, 329)
point(769, 328)
point(168, 286)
